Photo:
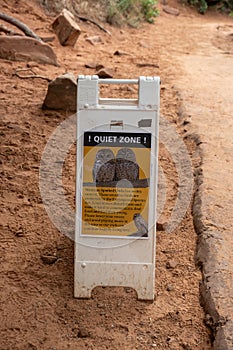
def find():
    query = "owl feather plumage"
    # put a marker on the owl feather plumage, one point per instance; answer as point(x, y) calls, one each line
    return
point(104, 166)
point(126, 165)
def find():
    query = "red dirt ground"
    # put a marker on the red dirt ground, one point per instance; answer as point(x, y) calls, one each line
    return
point(37, 307)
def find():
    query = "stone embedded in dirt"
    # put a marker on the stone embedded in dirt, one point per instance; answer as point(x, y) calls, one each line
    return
point(124, 327)
point(171, 10)
point(66, 28)
point(100, 305)
point(96, 39)
point(170, 288)
point(62, 93)
point(92, 65)
point(19, 48)
point(19, 232)
point(171, 340)
point(186, 346)
point(49, 259)
point(142, 65)
point(121, 53)
point(171, 264)
point(161, 226)
point(32, 65)
point(48, 39)
point(99, 66)
point(83, 332)
point(32, 346)
point(104, 73)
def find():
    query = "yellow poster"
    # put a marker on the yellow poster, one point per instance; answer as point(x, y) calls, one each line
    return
point(116, 178)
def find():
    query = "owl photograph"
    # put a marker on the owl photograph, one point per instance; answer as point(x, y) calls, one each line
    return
point(126, 165)
point(142, 226)
point(104, 166)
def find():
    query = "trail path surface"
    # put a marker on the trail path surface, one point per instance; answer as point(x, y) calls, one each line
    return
point(38, 311)
point(205, 59)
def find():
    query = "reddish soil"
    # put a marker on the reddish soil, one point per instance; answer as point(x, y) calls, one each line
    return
point(37, 307)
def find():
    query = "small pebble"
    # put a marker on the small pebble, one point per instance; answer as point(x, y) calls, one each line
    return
point(171, 264)
point(161, 226)
point(170, 288)
point(83, 333)
point(100, 305)
point(49, 259)
point(19, 233)
point(32, 346)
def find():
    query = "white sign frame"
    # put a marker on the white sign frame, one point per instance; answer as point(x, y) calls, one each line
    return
point(113, 260)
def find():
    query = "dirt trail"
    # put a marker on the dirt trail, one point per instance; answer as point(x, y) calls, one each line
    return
point(37, 306)
point(207, 90)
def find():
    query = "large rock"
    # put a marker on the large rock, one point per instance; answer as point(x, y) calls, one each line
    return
point(171, 10)
point(62, 93)
point(18, 48)
point(66, 28)
point(104, 73)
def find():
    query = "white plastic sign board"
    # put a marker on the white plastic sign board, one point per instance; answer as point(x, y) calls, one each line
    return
point(116, 187)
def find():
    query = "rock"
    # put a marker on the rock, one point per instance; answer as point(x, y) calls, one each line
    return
point(99, 66)
point(124, 327)
point(62, 93)
point(170, 288)
point(96, 39)
point(48, 39)
point(100, 305)
point(102, 313)
point(66, 28)
point(19, 232)
point(171, 264)
point(94, 65)
point(91, 65)
point(171, 340)
point(19, 48)
point(121, 53)
point(104, 73)
point(171, 10)
point(161, 226)
point(83, 332)
point(49, 259)
point(142, 65)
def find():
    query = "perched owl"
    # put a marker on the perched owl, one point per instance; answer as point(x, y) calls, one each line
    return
point(104, 166)
point(141, 225)
point(126, 165)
